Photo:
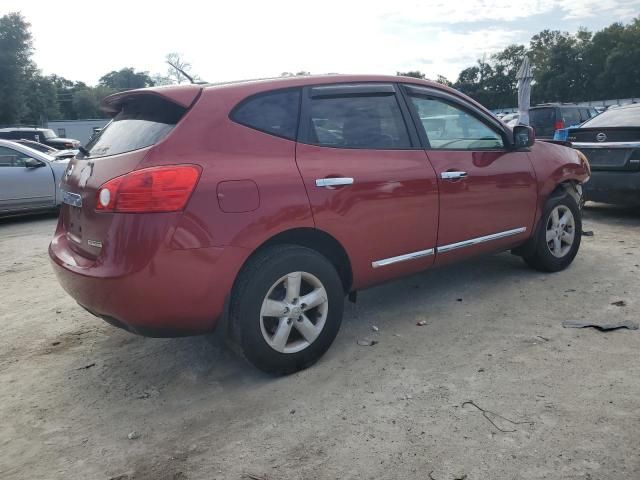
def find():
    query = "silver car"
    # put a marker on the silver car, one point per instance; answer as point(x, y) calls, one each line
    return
point(29, 180)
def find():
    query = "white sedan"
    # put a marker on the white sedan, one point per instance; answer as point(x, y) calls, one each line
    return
point(29, 180)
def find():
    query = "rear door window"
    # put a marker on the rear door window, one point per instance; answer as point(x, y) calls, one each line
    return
point(368, 121)
point(274, 112)
point(142, 121)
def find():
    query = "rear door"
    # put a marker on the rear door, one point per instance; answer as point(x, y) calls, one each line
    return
point(22, 187)
point(368, 180)
point(488, 192)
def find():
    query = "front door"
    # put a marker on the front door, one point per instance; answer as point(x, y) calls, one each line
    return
point(22, 187)
point(368, 180)
point(488, 192)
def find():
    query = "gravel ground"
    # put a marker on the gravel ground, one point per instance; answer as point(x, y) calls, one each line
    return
point(73, 388)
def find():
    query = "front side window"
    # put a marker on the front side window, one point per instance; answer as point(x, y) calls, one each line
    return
point(370, 122)
point(12, 158)
point(449, 127)
point(274, 112)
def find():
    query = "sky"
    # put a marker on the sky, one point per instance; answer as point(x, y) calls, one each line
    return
point(230, 40)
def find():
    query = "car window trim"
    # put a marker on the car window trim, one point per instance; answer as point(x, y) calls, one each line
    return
point(231, 115)
point(360, 89)
point(420, 90)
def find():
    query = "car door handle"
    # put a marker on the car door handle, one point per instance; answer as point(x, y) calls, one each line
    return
point(333, 182)
point(452, 175)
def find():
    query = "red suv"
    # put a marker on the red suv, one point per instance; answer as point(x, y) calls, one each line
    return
point(265, 202)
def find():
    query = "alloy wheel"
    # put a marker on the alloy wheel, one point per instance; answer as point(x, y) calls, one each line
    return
point(561, 231)
point(294, 312)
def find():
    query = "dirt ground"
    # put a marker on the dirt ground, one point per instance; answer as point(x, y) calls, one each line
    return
point(73, 388)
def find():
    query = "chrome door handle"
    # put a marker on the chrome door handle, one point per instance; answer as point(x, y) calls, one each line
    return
point(452, 175)
point(333, 182)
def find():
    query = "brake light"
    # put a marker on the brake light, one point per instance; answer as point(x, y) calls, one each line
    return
point(559, 125)
point(155, 189)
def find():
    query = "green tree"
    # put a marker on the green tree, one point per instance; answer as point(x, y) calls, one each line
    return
point(126, 79)
point(16, 67)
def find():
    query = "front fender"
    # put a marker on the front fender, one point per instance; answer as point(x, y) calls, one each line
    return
point(556, 165)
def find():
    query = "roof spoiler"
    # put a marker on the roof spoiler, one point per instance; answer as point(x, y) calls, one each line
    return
point(183, 95)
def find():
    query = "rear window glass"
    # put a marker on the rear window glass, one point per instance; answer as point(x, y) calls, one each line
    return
point(616, 117)
point(274, 112)
point(142, 121)
point(571, 117)
point(542, 117)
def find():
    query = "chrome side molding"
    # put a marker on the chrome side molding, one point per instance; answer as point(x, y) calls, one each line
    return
point(333, 182)
point(477, 240)
point(447, 248)
point(402, 258)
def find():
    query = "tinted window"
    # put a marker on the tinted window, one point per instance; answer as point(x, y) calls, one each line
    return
point(275, 113)
point(616, 117)
point(141, 122)
point(571, 117)
point(449, 127)
point(12, 158)
point(365, 121)
point(543, 120)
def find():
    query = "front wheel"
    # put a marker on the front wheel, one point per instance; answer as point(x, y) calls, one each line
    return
point(287, 308)
point(557, 239)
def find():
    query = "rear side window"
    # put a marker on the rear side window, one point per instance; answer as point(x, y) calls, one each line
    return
point(142, 121)
point(363, 121)
point(275, 113)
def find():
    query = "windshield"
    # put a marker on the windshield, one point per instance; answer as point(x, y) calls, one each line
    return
point(49, 134)
point(143, 121)
point(616, 117)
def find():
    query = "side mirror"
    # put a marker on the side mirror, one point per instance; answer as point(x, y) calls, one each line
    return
point(523, 136)
point(32, 163)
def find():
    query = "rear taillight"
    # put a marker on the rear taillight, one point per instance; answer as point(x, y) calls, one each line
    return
point(559, 125)
point(155, 189)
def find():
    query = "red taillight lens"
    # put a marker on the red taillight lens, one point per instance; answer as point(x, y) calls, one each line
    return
point(155, 189)
point(559, 125)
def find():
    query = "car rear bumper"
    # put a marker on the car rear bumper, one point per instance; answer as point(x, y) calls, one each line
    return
point(613, 187)
point(174, 293)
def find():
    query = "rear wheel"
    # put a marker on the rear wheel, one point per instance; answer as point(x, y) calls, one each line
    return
point(287, 308)
point(558, 237)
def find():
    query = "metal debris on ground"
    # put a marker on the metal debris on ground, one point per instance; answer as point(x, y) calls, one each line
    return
point(602, 327)
point(486, 413)
point(374, 328)
point(619, 303)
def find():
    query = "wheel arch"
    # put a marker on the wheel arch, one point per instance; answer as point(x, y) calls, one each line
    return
point(314, 239)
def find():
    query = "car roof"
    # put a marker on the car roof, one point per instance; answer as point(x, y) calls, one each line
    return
point(23, 129)
point(185, 94)
point(26, 150)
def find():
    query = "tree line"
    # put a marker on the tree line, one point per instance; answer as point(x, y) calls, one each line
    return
point(566, 68)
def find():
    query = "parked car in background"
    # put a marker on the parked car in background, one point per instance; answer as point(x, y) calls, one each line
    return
point(511, 119)
point(266, 202)
point(29, 179)
point(54, 152)
point(41, 135)
point(611, 142)
point(546, 119)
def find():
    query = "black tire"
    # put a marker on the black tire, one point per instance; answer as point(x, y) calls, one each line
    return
point(539, 256)
point(252, 286)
